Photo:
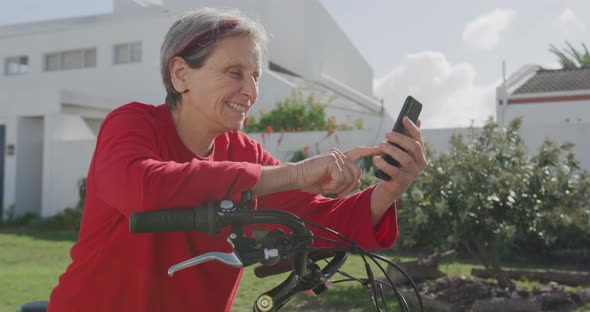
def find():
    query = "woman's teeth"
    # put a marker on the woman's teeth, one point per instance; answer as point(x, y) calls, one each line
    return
point(237, 107)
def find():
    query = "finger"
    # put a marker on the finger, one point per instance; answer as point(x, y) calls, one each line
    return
point(419, 125)
point(348, 168)
point(337, 174)
point(362, 151)
point(414, 147)
point(355, 173)
point(351, 163)
point(404, 158)
point(412, 128)
point(411, 159)
point(390, 170)
point(354, 179)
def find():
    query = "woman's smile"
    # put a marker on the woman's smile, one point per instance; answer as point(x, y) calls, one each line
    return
point(238, 107)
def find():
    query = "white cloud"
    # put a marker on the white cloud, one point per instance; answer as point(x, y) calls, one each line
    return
point(570, 23)
point(484, 31)
point(448, 91)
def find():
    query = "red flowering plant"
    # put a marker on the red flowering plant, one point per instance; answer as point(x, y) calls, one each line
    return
point(295, 113)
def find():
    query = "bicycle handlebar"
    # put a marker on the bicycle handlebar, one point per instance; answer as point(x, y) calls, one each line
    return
point(212, 218)
point(273, 251)
point(200, 219)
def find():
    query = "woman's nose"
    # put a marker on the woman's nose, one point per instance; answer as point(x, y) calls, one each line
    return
point(250, 89)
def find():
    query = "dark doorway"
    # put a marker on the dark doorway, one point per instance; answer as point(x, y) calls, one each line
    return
point(2, 154)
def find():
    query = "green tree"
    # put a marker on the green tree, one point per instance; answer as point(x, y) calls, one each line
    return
point(486, 188)
point(297, 113)
point(571, 57)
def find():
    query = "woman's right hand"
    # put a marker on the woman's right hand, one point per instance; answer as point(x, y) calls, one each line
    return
point(332, 172)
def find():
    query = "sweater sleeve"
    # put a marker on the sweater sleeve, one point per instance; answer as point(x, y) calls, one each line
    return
point(130, 175)
point(349, 216)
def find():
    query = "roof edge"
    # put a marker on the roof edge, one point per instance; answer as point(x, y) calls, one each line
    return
point(349, 92)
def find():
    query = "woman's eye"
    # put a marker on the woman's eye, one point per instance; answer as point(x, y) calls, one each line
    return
point(235, 74)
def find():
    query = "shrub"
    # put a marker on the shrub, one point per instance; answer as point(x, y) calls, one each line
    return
point(71, 217)
point(486, 188)
point(297, 113)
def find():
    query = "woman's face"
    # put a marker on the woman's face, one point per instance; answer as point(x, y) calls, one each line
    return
point(223, 90)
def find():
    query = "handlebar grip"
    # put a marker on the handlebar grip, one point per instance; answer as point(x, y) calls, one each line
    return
point(200, 219)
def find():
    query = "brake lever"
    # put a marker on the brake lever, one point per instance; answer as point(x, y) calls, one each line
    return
point(247, 251)
point(230, 259)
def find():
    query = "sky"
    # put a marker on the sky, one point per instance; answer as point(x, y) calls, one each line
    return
point(447, 54)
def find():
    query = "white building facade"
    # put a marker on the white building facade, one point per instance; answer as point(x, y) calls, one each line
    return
point(62, 77)
point(554, 104)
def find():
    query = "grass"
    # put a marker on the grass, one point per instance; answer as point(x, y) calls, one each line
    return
point(30, 264)
point(348, 296)
point(31, 260)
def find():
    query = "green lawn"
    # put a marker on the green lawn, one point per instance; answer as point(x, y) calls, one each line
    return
point(31, 262)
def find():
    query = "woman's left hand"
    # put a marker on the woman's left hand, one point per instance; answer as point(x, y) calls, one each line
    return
point(412, 160)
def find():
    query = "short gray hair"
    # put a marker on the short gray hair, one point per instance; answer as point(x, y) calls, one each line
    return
point(194, 36)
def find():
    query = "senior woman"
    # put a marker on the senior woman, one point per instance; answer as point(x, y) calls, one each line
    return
point(190, 151)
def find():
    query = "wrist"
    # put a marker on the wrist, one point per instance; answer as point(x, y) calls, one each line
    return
point(274, 179)
point(381, 200)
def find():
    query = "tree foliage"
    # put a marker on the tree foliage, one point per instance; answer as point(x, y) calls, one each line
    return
point(571, 57)
point(297, 113)
point(486, 188)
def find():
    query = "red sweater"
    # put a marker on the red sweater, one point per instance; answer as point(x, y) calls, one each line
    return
point(140, 164)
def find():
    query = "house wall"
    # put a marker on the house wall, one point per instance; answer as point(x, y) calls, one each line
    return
point(553, 113)
point(136, 81)
point(578, 134)
point(317, 141)
point(304, 38)
point(533, 135)
point(321, 48)
point(68, 146)
point(438, 139)
point(21, 111)
point(62, 191)
point(300, 32)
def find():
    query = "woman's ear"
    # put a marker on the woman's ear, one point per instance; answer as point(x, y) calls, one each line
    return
point(178, 71)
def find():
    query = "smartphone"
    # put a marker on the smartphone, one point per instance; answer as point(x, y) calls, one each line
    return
point(412, 109)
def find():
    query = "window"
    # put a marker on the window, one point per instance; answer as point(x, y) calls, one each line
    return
point(16, 65)
point(71, 59)
point(53, 61)
point(127, 53)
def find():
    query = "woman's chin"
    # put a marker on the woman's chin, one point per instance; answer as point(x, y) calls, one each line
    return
point(235, 126)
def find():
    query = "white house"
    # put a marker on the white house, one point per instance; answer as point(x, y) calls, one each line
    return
point(555, 104)
point(61, 78)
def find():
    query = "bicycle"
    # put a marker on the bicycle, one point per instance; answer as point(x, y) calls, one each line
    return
point(277, 252)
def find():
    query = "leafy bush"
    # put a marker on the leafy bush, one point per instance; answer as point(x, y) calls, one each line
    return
point(11, 220)
point(486, 189)
point(70, 217)
point(298, 155)
point(297, 113)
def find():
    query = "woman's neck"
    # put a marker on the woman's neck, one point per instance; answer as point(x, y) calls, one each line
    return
point(192, 131)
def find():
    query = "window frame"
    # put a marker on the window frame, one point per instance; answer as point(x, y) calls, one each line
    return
point(129, 56)
point(21, 69)
point(85, 61)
